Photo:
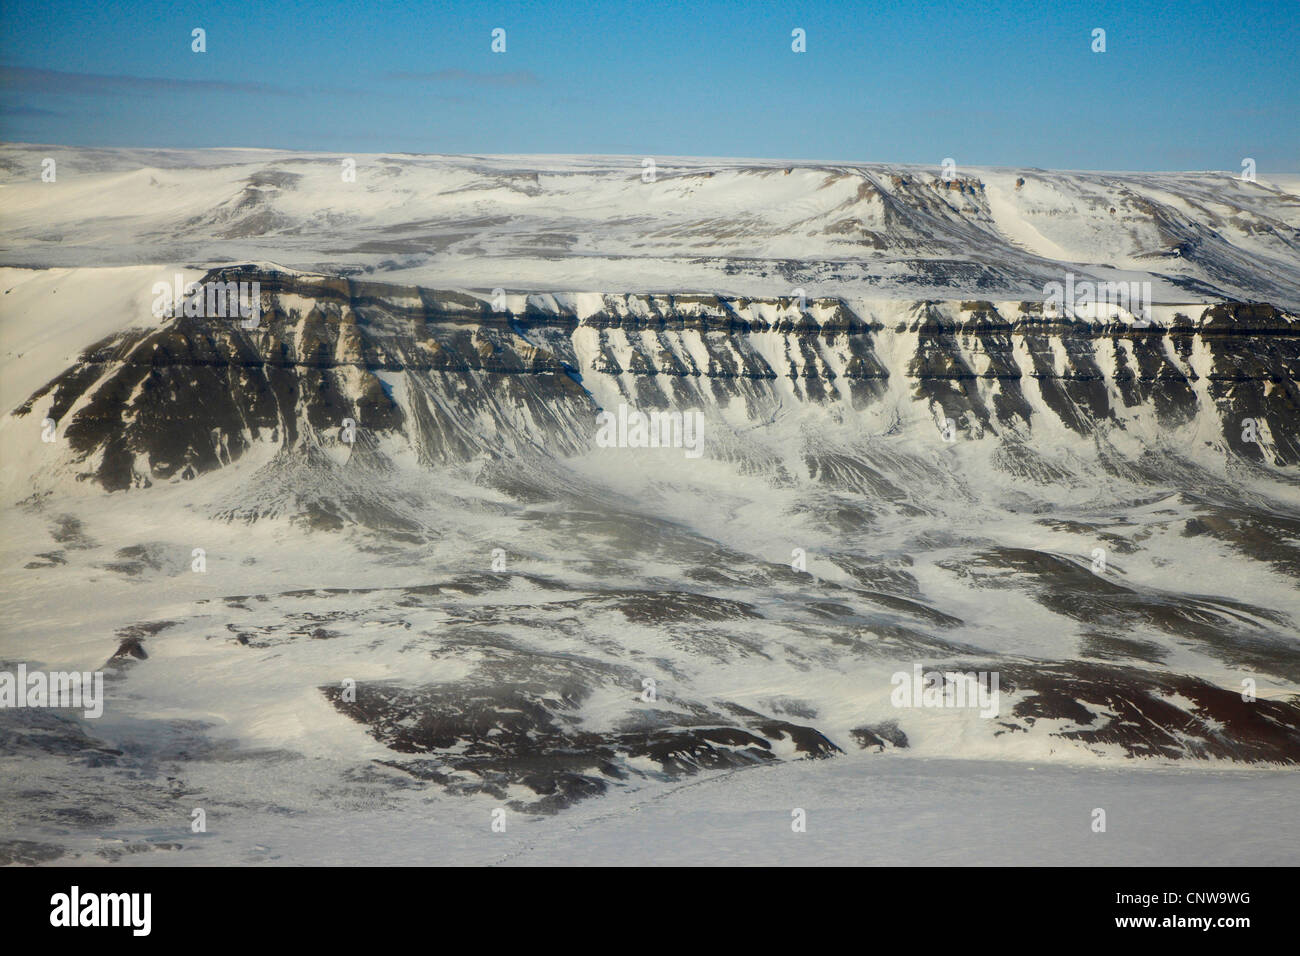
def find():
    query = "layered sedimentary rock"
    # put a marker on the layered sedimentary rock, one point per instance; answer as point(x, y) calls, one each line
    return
point(449, 378)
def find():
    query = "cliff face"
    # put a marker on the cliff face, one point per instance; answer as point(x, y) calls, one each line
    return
point(444, 376)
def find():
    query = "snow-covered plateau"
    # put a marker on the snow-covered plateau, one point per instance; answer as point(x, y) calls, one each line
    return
point(369, 578)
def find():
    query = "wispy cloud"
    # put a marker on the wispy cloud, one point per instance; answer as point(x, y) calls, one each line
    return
point(516, 78)
point(26, 111)
point(30, 80)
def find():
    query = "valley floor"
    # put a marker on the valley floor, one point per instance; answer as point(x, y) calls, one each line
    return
point(895, 811)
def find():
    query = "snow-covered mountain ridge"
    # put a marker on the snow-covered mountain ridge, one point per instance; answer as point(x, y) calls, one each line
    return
point(531, 224)
point(371, 548)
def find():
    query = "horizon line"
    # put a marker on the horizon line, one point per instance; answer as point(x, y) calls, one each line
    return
point(638, 157)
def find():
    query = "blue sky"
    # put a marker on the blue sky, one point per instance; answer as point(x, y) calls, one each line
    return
point(1190, 85)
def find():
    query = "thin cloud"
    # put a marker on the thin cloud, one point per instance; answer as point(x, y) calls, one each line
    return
point(30, 80)
point(26, 111)
point(517, 78)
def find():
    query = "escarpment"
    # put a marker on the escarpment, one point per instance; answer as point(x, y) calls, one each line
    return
point(451, 376)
